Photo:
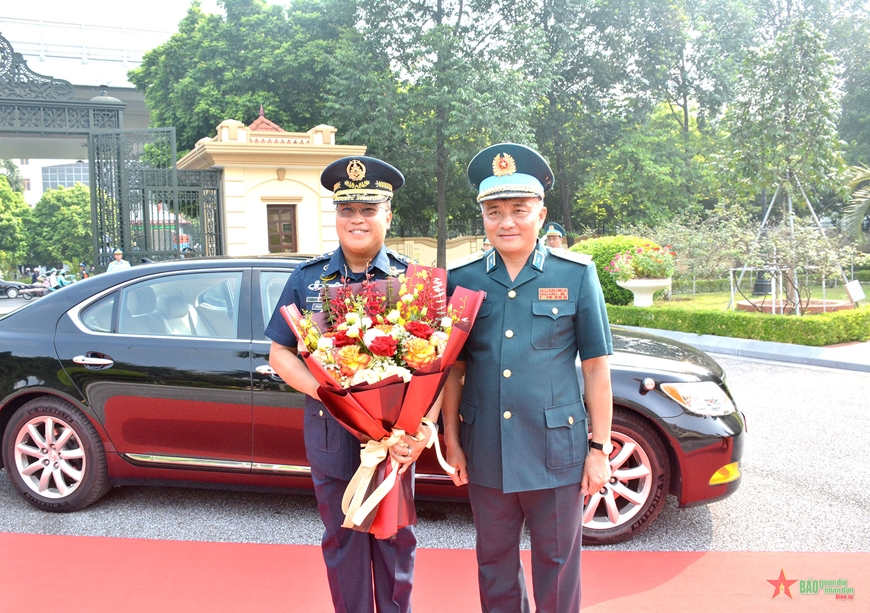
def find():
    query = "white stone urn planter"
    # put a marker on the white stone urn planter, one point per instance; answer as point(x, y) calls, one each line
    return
point(643, 289)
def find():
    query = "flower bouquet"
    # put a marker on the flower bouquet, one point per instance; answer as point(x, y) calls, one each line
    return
point(381, 351)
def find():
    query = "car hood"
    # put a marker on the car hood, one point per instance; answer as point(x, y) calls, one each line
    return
point(635, 349)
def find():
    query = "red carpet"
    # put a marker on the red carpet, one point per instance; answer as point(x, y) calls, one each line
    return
point(111, 575)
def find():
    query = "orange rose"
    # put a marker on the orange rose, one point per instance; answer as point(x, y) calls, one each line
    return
point(350, 360)
point(418, 352)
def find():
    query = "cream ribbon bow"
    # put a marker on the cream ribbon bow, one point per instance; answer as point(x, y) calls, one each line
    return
point(354, 504)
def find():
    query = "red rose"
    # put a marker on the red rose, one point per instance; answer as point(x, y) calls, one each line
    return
point(384, 346)
point(419, 329)
point(341, 339)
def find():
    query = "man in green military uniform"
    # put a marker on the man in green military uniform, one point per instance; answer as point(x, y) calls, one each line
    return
point(554, 235)
point(516, 425)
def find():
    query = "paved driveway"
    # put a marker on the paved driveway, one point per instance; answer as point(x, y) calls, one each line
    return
point(805, 487)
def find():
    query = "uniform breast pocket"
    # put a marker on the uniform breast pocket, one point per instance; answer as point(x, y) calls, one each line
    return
point(477, 339)
point(552, 323)
point(567, 437)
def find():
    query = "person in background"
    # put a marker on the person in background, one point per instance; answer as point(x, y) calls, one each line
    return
point(555, 235)
point(83, 271)
point(514, 417)
point(35, 276)
point(51, 280)
point(119, 263)
point(365, 574)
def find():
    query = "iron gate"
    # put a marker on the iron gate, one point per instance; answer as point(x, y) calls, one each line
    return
point(143, 204)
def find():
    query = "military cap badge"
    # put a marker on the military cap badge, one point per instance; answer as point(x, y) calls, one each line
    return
point(361, 179)
point(509, 170)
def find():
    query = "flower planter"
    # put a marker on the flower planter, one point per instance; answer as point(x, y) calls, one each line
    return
point(643, 289)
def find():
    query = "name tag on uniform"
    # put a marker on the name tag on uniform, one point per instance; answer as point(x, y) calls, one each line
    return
point(552, 293)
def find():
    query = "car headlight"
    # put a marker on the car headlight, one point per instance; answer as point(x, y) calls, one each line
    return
point(701, 397)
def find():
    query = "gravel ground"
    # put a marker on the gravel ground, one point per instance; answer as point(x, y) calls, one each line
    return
point(805, 486)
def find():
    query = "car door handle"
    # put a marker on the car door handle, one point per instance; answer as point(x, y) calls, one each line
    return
point(265, 369)
point(87, 360)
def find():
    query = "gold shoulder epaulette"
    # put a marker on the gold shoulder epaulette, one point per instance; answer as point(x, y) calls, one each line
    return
point(573, 256)
point(468, 259)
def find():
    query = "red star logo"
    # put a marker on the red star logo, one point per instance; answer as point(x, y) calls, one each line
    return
point(781, 585)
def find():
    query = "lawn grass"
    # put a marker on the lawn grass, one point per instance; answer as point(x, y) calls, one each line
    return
point(718, 301)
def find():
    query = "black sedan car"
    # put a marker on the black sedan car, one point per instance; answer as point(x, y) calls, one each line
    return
point(12, 289)
point(160, 374)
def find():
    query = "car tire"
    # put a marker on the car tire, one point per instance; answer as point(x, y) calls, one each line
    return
point(12, 292)
point(54, 456)
point(638, 488)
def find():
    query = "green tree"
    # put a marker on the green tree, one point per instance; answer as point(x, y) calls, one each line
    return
point(12, 174)
point(710, 42)
point(590, 97)
point(225, 67)
point(848, 42)
point(783, 122)
point(59, 229)
point(640, 179)
point(426, 84)
point(858, 207)
point(14, 213)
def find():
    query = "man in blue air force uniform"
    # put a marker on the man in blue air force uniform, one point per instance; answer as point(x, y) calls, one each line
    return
point(516, 429)
point(355, 561)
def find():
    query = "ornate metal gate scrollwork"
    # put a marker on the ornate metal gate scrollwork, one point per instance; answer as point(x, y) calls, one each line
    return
point(144, 204)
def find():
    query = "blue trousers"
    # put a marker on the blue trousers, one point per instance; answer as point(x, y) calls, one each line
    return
point(363, 572)
point(555, 520)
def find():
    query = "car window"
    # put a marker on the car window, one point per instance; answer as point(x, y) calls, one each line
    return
point(271, 285)
point(98, 316)
point(203, 304)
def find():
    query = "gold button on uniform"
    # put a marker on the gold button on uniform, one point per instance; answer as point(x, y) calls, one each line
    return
point(320, 413)
point(507, 414)
point(555, 311)
point(509, 333)
point(507, 373)
point(512, 294)
point(570, 419)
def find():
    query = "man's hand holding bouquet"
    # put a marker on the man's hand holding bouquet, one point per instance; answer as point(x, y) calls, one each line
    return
point(381, 351)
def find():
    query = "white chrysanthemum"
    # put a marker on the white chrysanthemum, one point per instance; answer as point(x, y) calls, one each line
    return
point(366, 322)
point(365, 376)
point(351, 318)
point(446, 322)
point(353, 332)
point(393, 316)
point(439, 339)
point(409, 298)
point(324, 343)
point(371, 334)
point(401, 371)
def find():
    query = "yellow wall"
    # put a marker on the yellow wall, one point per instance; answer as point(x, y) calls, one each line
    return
point(425, 250)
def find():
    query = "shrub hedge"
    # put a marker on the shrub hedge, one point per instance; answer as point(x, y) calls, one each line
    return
point(863, 276)
point(603, 250)
point(813, 330)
